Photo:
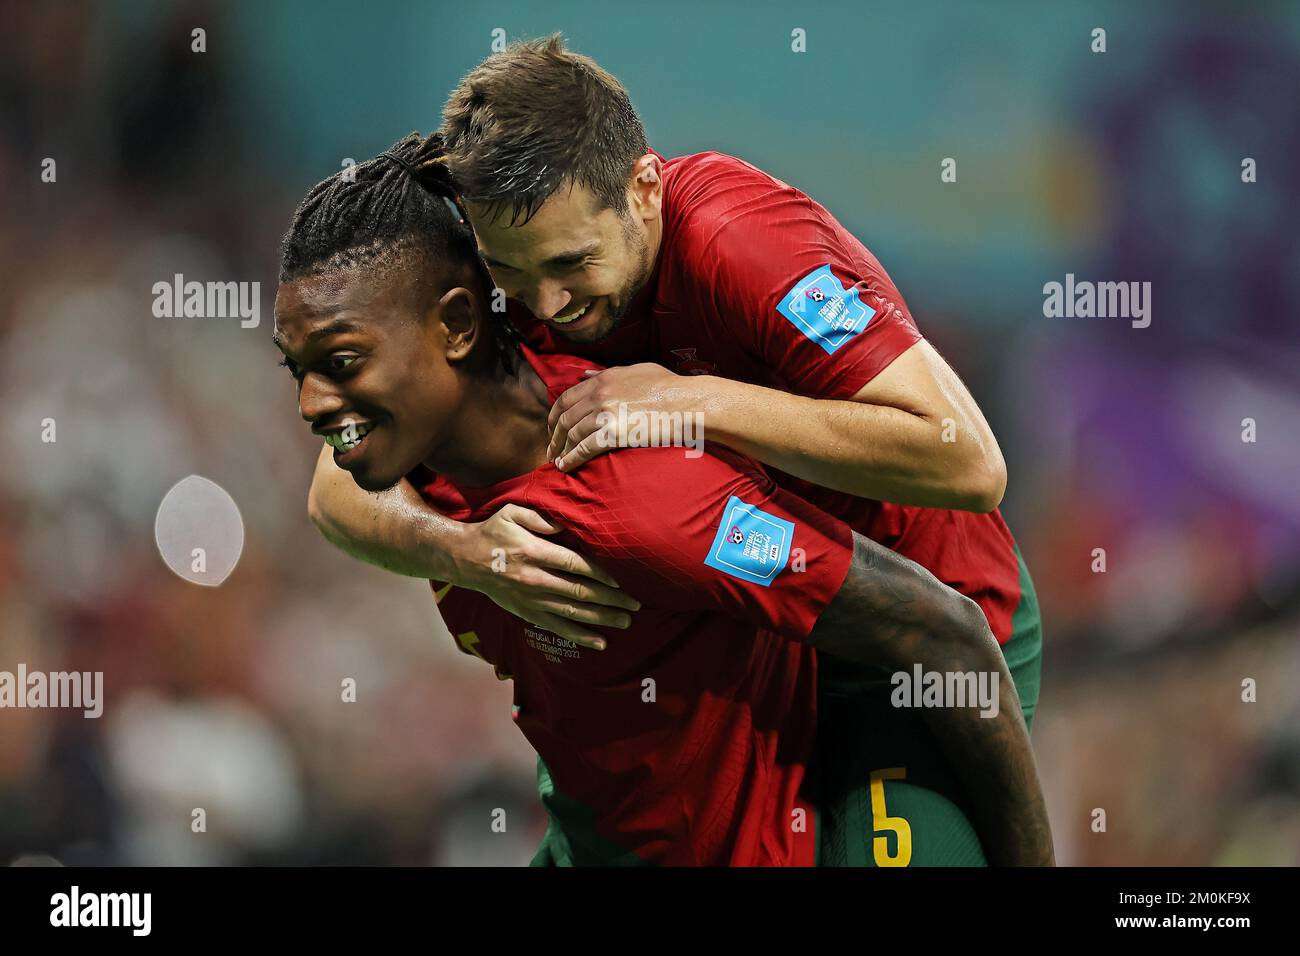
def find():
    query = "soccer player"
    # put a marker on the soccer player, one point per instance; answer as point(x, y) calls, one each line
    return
point(743, 299)
point(686, 741)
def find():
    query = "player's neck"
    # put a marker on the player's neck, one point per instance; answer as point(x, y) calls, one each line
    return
point(656, 241)
point(501, 432)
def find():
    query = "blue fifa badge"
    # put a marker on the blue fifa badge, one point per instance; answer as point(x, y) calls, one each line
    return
point(750, 544)
point(825, 311)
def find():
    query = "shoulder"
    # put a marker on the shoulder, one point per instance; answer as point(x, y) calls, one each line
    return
point(712, 165)
point(731, 222)
point(651, 492)
point(705, 191)
point(697, 169)
point(650, 515)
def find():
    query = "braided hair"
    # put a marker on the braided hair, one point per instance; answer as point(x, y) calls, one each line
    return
point(403, 200)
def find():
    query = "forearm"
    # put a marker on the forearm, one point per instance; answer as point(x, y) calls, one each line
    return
point(892, 613)
point(995, 763)
point(908, 456)
point(392, 529)
point(502, 556)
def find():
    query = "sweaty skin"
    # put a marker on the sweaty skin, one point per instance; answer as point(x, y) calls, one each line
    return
point(888, 443)
point(891, 609)
point(416, 374)
point(851, 446)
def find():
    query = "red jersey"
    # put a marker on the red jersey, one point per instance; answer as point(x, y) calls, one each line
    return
point(756, 282)
point(687, 740)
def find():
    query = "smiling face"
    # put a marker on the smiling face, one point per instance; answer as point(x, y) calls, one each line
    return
point(574, 264)
point(380, 363)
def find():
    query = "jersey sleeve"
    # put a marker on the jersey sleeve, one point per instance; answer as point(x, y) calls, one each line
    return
point(800, 292)
point(705, 533)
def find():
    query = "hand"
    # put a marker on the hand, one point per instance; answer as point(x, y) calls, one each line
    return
point(542, 582)
point(586, 420)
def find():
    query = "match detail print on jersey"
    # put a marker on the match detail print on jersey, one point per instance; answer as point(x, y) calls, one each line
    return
point(750, 544)
point(825, 311)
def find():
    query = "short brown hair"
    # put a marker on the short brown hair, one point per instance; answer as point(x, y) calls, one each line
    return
point(535, 117)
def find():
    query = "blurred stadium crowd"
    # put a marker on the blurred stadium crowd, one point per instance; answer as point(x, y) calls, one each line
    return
point(228, 699)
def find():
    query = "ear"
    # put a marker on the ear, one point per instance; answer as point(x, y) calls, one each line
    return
point(647, 187)
point(457, 315)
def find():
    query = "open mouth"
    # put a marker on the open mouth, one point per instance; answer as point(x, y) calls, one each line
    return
point(348, 439)
point(573, 317)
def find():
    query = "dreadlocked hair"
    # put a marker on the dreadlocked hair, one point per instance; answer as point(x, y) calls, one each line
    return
point(371, 214)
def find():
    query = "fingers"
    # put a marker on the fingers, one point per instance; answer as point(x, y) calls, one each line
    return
point(593, 615)
point(528, 518)
point(560, 558)
point(525, 550)
point(574, 430)
point(563, 430)
point(568, 398)
point(572, 407)
point(582, 590)
point(587, 449)
point(558, 625)
point(554, 445)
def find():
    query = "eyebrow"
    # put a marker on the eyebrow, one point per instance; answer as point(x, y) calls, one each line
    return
point(557, 260)
point(337, 327)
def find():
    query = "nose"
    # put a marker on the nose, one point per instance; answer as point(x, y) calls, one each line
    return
point(318, 398)
point(549, 299)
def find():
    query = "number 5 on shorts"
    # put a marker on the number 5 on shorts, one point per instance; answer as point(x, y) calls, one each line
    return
point(881, 820)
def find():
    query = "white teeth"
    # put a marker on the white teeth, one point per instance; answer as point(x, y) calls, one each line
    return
point(358, 432)
point(566, 319)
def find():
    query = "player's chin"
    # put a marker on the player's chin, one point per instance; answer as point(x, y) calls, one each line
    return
point(370, 468)
point(593, 327)
point(373, 480)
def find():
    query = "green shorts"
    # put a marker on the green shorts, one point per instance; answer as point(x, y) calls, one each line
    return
point(886, 794)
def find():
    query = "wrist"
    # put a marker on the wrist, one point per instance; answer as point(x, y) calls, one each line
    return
point(707, 395)
point(452, 552)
